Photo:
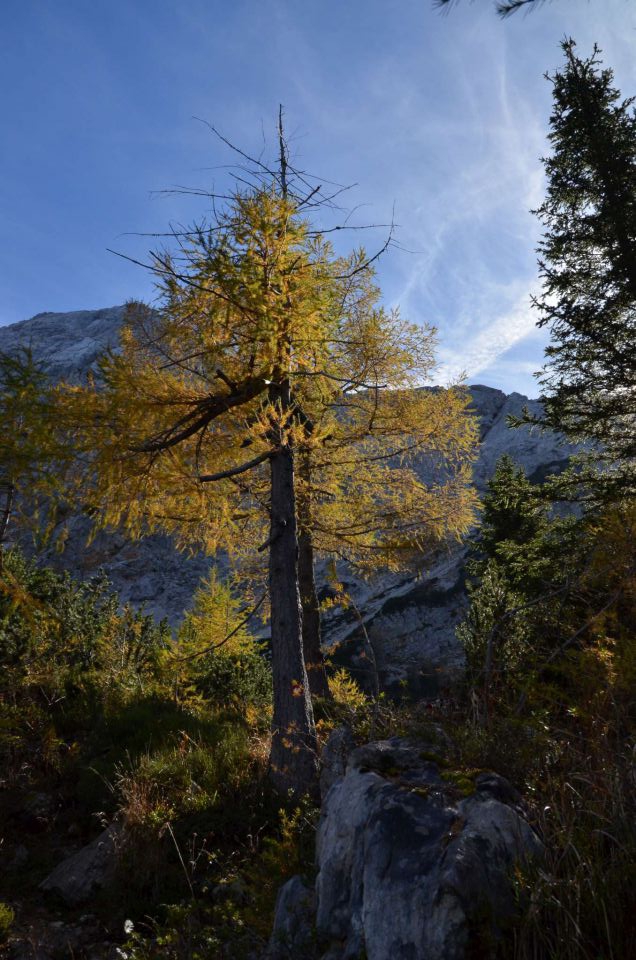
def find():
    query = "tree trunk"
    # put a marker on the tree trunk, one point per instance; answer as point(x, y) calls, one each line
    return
point(294, 754)
point(7, 491)
point(312, 649)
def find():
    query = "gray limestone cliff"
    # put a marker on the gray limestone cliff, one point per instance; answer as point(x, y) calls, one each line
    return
point(409, 620)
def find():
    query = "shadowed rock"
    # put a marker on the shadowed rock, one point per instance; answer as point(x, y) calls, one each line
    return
point(414, 863)
point(78, 878)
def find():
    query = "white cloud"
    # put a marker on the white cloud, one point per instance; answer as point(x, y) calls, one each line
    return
point(479, 349)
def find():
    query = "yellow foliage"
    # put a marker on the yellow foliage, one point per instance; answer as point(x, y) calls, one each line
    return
point(260, 298)
point(214, 622)
point(346, 692)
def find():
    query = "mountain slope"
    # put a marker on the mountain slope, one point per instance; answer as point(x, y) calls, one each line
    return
point(409, 621)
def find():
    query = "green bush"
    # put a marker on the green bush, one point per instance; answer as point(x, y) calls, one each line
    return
point(550, 704)
point(68, 657)
point(102, 709)
point(235, 680)
point(230, 914)
point(7, 916)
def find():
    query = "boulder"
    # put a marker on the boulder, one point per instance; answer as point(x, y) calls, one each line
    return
point(333, 758)
point(293, 935)
point(415, 860)
point(83, 874)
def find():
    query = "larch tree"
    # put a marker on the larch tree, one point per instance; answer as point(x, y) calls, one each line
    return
point(266, 384)
point(391, 481)
point(390, 478)
point(588, 268)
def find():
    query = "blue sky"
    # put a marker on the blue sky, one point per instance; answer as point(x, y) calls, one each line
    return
point(440, 117)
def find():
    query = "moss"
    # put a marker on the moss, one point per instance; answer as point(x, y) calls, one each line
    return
point(421, 791)
point(462, 780)
point(432, 757)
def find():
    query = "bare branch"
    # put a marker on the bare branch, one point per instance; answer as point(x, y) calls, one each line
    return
point(503, 7)
point(235, 149)
point(235, 471)
point(207, 410)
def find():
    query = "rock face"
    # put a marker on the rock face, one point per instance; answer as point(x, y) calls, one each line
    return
point(293, 933)
point(78, 878)
point(67, 343)
point(410, 621)
point(148, 573)
point(414, 862)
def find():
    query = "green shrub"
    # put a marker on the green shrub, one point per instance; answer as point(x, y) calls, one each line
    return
point(580, 901)
point(68, 657)
point(231, 913)
point(185, 777)
point(235, 680)
point(7, 916)
point(102, 709)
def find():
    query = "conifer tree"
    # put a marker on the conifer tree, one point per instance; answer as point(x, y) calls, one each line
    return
point(588, 267)
point(527, 564)
point(269, 356)
point(33, 455)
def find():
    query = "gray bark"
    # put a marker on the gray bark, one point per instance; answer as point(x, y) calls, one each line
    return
point(294, 754)
point(312, 648)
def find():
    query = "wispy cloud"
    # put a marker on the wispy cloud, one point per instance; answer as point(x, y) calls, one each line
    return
point(490, 339)
point(479, 265)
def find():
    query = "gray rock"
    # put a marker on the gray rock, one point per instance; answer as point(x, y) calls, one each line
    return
point(81, 875)
point(67, 343)
point(20, 857)
point(408, 863)
point(334, 756)
point(294, 923)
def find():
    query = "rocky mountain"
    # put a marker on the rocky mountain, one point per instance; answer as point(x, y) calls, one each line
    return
point(402, 626)
point(67, 343)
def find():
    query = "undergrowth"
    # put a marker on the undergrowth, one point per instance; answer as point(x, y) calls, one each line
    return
point(104, 717)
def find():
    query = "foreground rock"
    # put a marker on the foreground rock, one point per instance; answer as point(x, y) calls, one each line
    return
point(414, 861)
point(294, 928)
point(78, 878)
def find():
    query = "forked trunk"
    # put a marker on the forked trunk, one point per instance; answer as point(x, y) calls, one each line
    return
point(294, 754)
point(312, 648)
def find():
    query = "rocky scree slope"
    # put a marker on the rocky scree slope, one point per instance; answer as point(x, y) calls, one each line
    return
point(409, 620)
